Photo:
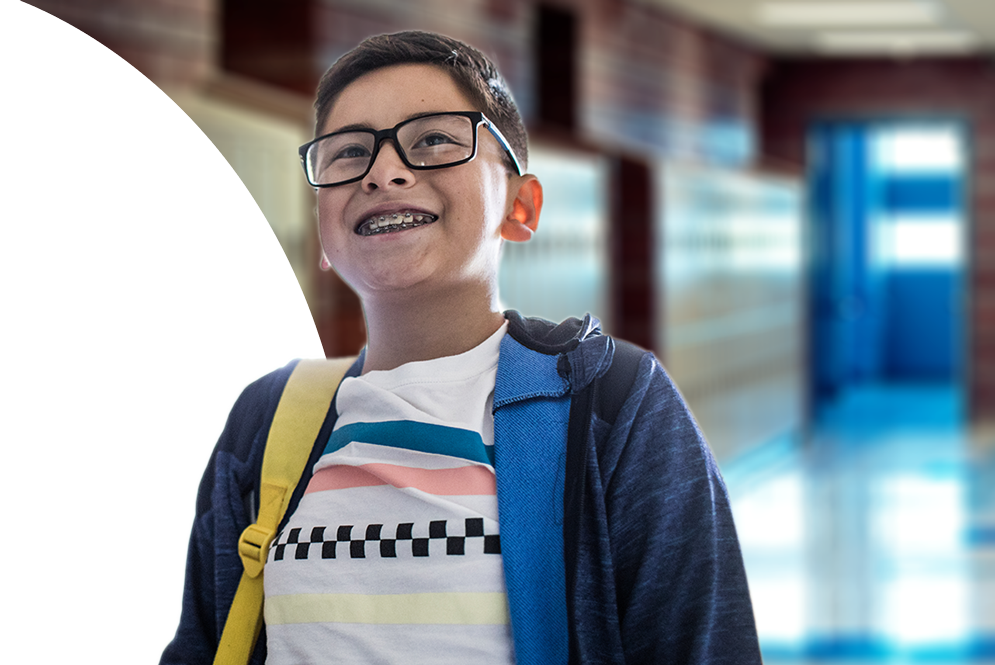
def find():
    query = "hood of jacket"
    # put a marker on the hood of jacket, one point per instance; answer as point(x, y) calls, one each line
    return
point(584, 352)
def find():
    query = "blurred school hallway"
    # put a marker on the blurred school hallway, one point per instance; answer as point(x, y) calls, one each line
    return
point(790, 202)
point(870, 542)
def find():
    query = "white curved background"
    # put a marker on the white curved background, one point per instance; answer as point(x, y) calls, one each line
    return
point(140, 290)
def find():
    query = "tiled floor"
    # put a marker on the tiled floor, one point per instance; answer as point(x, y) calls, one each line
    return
point(874, 541)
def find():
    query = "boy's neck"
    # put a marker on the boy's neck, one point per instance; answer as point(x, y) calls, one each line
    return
point(400, 331)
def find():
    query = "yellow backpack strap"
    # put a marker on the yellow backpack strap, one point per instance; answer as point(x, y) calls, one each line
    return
point(299, 415)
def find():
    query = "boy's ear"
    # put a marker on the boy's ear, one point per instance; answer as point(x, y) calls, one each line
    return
point(523, 218)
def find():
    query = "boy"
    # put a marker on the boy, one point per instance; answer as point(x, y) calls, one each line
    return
point(446, 514)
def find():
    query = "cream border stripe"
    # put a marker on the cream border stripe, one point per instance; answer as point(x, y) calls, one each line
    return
point(483, 608)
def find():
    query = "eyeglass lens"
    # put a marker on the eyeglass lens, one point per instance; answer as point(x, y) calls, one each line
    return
point(431, 141)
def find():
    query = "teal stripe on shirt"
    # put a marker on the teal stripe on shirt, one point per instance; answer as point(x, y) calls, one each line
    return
point(411, 435)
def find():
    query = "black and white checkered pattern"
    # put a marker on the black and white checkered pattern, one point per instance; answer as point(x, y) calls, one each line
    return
point(373, 540)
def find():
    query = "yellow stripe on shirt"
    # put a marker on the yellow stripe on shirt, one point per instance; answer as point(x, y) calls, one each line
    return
point(483, 608)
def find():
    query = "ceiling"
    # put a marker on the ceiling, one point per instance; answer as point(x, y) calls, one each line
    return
point(840, 28)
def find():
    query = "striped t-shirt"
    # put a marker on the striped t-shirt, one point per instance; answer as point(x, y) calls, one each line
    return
point(393, 555)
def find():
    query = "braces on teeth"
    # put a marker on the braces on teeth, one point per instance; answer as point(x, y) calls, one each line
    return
point(394, 222)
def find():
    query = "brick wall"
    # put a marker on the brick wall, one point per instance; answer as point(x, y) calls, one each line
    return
point(662, 87)
point(172, 42)
point(797, 92)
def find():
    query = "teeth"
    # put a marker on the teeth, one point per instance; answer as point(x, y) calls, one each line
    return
point(393, 222)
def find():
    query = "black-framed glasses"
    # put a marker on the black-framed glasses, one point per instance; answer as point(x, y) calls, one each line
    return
point(435, 141)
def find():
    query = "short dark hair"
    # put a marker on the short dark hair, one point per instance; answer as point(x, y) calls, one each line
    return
point(472, 71)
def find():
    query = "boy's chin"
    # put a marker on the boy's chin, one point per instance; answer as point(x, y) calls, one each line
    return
point(390, 283)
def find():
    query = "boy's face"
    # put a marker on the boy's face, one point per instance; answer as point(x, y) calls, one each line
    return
point(468, 201)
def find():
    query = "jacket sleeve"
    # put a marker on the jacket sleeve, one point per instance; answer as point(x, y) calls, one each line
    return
point(679, 576)
point(224, 509)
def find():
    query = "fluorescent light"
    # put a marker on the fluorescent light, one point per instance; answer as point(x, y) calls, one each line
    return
point(947, 41)
point(816, 14)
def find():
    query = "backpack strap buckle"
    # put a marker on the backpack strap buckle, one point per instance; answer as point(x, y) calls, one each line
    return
point(253, 548)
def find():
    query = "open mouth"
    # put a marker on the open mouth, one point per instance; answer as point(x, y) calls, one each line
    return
point(393, 222)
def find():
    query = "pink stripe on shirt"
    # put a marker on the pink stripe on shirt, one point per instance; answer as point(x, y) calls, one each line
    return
point(461, 481)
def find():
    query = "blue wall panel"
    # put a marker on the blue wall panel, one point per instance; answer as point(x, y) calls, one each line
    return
point(924, 325)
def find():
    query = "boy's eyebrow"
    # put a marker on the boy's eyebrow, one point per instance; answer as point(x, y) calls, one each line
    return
point(368, 126)
point(354, 126)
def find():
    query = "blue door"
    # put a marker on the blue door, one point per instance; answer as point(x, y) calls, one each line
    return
point(887, 253)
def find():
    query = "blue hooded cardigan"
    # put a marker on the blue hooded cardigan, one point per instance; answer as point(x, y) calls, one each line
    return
point(631, 557)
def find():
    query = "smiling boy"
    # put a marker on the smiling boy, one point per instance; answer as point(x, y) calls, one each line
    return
point(469, 498)
point(438, 277)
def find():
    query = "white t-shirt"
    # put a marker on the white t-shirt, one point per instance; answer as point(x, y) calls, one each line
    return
point(393, 555)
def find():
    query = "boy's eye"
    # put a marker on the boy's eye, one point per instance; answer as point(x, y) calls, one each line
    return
point(434, 139)
point(350, 152)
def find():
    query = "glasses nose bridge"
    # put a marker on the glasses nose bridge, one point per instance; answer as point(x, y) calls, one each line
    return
point(379, 136)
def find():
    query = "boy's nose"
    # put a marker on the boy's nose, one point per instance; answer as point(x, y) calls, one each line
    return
point(387, 169)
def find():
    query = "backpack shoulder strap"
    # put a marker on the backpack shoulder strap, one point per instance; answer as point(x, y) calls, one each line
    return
point(613, 387)
point(603, 397)
point(298, 418)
